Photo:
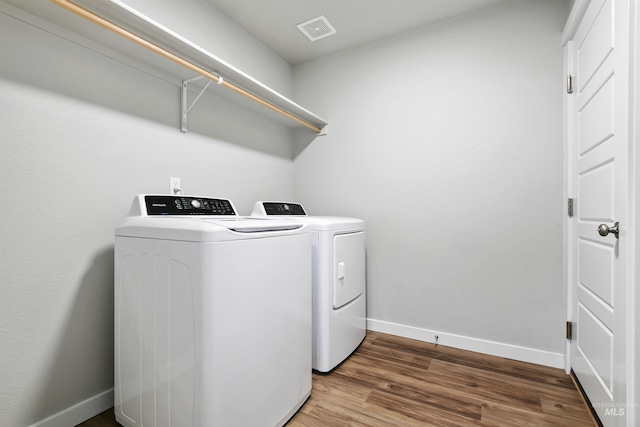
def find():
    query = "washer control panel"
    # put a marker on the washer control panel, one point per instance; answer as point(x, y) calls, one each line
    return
point(281, 208)
point(177, 205)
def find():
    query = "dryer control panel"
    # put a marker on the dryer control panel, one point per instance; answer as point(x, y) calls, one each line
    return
point(178, 205)
point(282, 208)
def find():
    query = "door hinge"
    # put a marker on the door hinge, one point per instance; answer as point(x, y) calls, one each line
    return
point(570, 83)
point(569, 330)
point(570, 207)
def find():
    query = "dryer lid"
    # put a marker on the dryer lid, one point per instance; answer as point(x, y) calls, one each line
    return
point(296, 212)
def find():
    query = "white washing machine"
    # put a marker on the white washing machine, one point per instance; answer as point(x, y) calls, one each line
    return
point(212, 315)
point(339, 283)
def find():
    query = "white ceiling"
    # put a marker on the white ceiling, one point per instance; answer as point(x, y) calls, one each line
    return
point(356, 21)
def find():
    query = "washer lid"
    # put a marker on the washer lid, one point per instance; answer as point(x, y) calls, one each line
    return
point(199, 229)
point(253, 225)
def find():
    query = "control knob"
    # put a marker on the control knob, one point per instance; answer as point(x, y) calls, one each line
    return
point(195, 203)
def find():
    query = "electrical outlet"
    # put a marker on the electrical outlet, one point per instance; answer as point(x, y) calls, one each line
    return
point(174, 185)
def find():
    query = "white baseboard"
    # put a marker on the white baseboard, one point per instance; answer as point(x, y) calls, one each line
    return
point(80, 412)
point(508, 351)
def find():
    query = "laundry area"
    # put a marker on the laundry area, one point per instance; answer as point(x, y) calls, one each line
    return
point(205, 223)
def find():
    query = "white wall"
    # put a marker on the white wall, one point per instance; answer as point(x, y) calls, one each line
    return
point(80, 134)
point(448, 142)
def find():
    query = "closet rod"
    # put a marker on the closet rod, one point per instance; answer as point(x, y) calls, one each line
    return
point(173, 57)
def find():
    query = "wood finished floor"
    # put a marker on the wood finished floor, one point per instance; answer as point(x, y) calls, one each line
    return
point(393, 381)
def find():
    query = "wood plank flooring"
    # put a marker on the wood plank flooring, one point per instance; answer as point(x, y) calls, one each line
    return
point(394, 381)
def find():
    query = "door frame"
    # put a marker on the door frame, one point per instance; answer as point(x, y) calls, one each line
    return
point(633, 264)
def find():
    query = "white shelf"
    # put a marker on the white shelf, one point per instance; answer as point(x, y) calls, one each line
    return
point(137, 23)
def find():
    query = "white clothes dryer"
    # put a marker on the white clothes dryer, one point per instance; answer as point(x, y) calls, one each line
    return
point(212, 315)
point(339, 282)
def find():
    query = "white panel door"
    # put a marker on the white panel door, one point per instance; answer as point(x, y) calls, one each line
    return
point(598, 114)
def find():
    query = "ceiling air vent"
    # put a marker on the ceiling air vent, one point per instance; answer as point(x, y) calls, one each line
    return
point(317, 28)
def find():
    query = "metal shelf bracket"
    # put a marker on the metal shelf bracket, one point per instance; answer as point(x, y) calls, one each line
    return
point(184, 104)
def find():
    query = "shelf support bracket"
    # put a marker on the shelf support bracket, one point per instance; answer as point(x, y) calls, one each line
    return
point(184, 104)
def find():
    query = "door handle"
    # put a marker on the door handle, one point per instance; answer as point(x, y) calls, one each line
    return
point(604, 229)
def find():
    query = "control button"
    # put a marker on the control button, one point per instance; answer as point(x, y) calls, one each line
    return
point(195, 203)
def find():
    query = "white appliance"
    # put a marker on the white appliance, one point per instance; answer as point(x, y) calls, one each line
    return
point(212, 315)
point(339, 284)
